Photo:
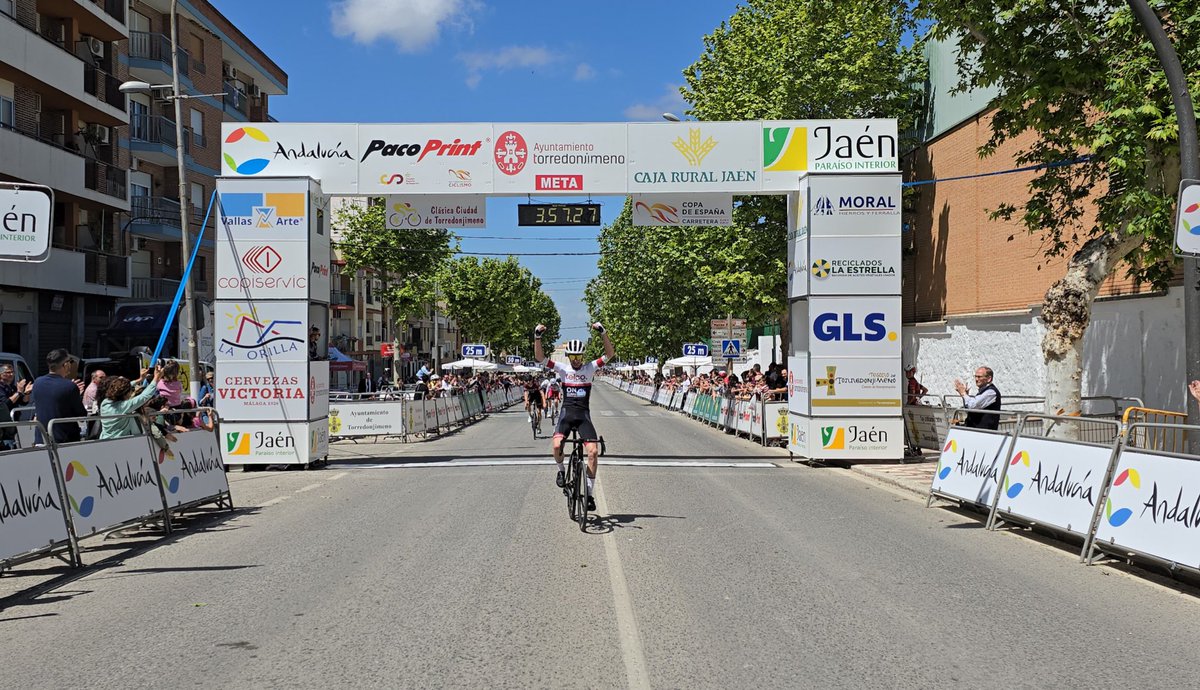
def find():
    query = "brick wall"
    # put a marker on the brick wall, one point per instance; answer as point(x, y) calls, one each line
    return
point(958, 261)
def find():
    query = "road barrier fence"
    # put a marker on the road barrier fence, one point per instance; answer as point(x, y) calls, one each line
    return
point(353, 416)
point(764, 421)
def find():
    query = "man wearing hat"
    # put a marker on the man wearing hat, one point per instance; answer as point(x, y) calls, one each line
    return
point(915, 389)
point(435, 386)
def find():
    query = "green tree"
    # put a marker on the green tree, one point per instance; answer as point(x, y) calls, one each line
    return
point(1083, 79)
point(407, 261)
point(497, 301)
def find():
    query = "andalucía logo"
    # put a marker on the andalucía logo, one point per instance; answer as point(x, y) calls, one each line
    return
point(254, 143)
point(943, 471)
point(785, 149)
point(661, 212)
point(256, 337)
point(1189, 218)
point(1013, 489)
point(263, 211)
point(1118, 517)
point(84, 507)
point(511, 153)
point(250, 166)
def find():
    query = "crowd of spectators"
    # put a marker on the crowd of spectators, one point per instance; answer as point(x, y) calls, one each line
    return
point(753, 384)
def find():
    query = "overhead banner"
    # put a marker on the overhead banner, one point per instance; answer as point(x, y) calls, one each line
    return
point(559, 158)
point(1153, 506)
point(861, 387)
point(969, 467)
point(657, 210)
point(1054, 483)
point(407, 212)
point(257, 331)
point(854, 205)
point(425, 158)
point(854, 326)
point(854, 266)
point(31, 515)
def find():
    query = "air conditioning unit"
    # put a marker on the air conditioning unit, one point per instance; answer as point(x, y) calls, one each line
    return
point(254, 91)
point(138, 244)
point(96, 46)
point(97, 133)
point(230, 72)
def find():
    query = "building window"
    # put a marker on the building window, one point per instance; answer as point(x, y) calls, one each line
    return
point(197, 128)
point(6, 7)
point(197, 195)
point(7, 109)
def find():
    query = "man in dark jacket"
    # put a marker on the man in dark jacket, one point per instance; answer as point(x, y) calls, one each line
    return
point(987, 397)
point(57, 395)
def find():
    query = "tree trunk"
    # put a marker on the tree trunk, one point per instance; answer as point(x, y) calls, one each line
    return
point(1066, 313)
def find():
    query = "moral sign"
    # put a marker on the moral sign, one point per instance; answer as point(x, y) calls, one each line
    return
point(474, 350)
point(25, 216)
point(695, 350)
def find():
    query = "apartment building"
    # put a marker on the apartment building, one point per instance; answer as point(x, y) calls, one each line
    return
point(214, 57)
point(60, 111)
point(973, 286)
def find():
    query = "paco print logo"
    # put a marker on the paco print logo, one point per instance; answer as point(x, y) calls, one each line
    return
point(1120, 516)
point(785, 149)
point(250, 166)
point(84, 507)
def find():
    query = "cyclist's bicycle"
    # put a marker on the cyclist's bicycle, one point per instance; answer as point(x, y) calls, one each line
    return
point(535, 420)
point(575, 488)
point(555, 407)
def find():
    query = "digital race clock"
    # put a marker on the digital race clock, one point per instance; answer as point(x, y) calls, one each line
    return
point(558, 214)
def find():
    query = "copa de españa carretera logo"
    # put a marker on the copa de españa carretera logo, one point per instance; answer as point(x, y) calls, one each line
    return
point(1128, 478)
point(785, 149)
point(664, 213)
point(250, 166)
point(83, 507)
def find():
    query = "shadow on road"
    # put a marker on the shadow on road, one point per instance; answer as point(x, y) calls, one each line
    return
point(603, 524)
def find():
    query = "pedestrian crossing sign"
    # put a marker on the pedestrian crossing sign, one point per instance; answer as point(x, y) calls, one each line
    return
point(731, 349)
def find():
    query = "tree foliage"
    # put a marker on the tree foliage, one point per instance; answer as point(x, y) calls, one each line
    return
point(773, 59)
point(407, 261)
point(498, 302)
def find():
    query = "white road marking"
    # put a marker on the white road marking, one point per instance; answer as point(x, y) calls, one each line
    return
point(548, 461)
point(636, 674)
point(274, 501)
point(606, 413)
point(310, 487)
point(337, 476)
point(631, 413)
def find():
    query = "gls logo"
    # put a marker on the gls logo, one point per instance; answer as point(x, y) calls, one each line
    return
point(832, 326)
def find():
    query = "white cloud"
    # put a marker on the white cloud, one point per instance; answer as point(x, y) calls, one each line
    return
point(670, 101)
point(584, 71)
point(412, 25)
point(503, 59)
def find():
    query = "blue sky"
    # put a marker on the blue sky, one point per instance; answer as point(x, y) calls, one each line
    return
point(487, 61)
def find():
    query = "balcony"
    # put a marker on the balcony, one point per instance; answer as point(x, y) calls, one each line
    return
point(152, 139)
point(154, 288)
point(105, 19)
point(105, 178)
point(79, 271)
point(157, 217)
point(236, 100)
point(104, 86)
point(150, 58)
point(49, 158)
point(341, 299)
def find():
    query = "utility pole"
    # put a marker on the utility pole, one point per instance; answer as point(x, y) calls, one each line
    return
point(189, 303)
point(1189, 169)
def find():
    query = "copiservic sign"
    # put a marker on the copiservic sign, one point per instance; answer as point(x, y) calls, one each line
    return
point(750, 157)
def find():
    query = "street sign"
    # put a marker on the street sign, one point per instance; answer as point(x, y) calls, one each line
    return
point(1187, 226)
point(25, 222)
point(514, 359)
point(386, 350)
point(695, 350)
point(652, 360)
point(731, 349)
point(474, 351)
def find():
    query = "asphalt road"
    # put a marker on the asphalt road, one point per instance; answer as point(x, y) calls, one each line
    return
point(428, 572)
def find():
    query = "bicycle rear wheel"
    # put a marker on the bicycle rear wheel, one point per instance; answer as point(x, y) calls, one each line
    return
point(581, 491)
point(572, 488)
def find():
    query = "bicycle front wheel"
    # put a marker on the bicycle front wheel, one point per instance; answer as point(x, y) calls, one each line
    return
point(581, 492)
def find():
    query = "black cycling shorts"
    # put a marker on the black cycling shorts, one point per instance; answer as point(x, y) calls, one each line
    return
point(575, 418)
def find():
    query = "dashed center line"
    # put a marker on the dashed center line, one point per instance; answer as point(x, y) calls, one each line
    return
point(310, 487)
point(337, 476)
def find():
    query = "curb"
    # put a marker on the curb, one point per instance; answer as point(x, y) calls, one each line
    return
point(907, 486)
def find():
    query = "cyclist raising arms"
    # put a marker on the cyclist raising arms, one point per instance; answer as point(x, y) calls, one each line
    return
point(577, 392)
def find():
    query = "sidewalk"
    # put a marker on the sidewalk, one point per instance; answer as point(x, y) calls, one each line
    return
point(915, 475)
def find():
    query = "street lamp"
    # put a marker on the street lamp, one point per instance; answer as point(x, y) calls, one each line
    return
point(173, 93)
point(671, 117)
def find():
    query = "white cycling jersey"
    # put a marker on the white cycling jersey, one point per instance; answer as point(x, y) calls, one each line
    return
point(577, 383)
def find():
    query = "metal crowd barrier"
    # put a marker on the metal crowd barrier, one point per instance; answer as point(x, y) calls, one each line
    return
point(1152, 429)
point(358, 417)
point(52, 494)
point(755, 419)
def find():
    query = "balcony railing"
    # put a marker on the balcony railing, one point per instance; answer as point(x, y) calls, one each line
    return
point(113, 8)
point(104, 178)
point(104, 86)
point(157, 129)
point(157, 47)
point(105, 269)
point(154, 288)
point(236, 99)
point(161, 210)
point(341, 298)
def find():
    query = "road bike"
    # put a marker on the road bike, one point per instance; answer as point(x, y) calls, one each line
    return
point(535, 420)
point(575, 487)
point(555, 409)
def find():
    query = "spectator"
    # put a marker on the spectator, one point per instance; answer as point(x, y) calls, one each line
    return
point(314, 337)
point(435, 386)
point(120, 400)
point(915, 389)
point(16, 393)
point(987, 397)
point(169, 386)
point(774, 379)
point(207, 391)
point(56, 395)
point(422, 389)
point(94, 387)
point(364, 384)
point(8, 434)
point(1194, 389)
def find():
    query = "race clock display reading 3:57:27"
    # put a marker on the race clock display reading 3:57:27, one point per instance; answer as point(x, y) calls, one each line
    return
point(558, 214)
